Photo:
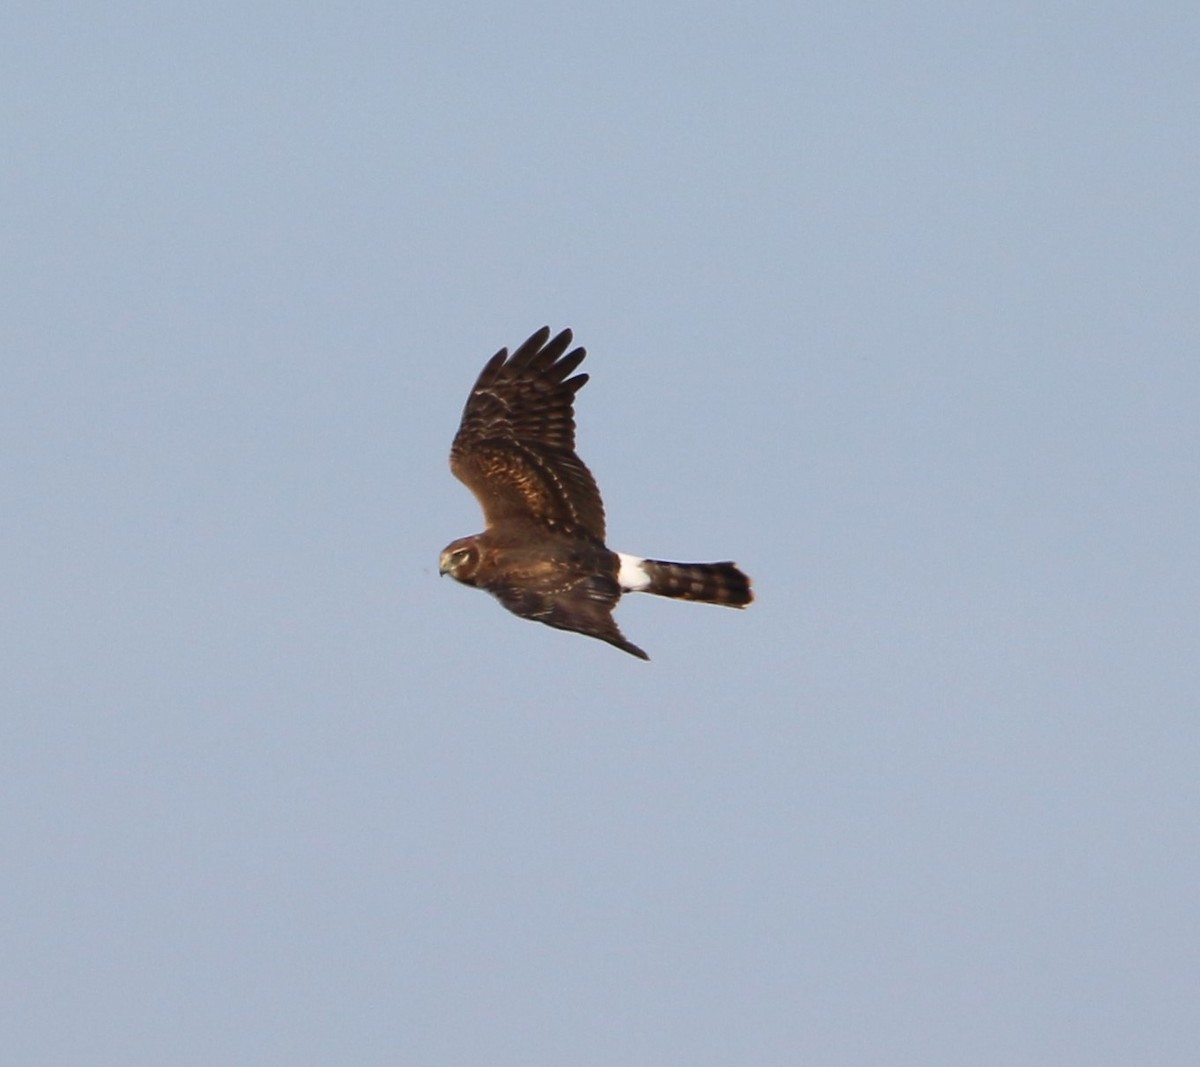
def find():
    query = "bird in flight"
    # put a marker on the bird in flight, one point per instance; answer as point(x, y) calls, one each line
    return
point(543, 554)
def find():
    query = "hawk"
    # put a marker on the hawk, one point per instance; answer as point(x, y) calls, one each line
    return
point(543, 554)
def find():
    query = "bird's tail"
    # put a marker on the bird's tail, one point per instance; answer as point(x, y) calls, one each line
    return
point(709, 583)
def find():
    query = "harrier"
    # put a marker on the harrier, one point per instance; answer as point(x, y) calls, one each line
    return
point(543, 554)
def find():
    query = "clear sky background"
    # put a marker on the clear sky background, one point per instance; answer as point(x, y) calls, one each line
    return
point(896, 304)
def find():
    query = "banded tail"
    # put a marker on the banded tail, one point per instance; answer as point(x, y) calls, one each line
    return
point(709, 583)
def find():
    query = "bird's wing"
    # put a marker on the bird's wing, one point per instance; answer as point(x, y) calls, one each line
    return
point(515, 447)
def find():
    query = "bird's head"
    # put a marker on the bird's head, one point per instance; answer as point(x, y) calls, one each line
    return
point(460, 560)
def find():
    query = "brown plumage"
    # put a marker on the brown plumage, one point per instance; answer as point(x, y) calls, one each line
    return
point(543, 554)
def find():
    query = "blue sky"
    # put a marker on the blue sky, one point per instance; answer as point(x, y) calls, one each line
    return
point(894, 304)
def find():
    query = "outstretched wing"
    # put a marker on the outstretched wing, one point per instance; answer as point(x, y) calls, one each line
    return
point(515, 447)
point(584, 606)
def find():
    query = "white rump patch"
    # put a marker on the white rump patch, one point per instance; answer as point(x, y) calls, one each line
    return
point(632, 576)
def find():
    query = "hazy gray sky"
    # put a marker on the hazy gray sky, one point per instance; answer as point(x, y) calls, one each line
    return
point(895, 304)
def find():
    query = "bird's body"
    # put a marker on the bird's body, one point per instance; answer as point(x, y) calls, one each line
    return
point(543, 554)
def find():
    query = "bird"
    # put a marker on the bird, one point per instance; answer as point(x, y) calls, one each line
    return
point(543, 553)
